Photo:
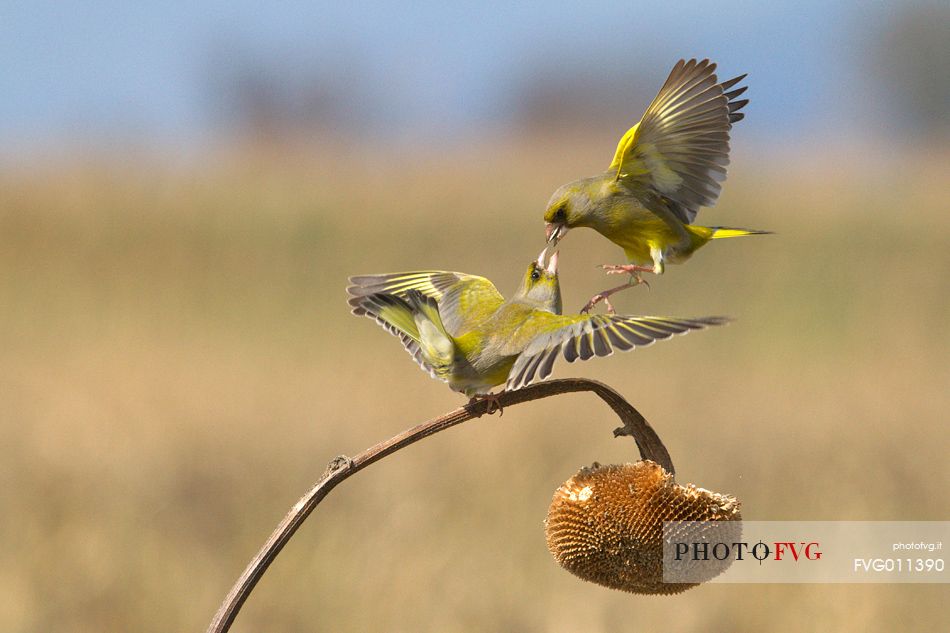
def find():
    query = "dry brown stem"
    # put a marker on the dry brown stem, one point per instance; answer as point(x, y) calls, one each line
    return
point(340, 468)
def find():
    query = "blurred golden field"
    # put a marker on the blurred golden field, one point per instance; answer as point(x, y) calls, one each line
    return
point(179, 364)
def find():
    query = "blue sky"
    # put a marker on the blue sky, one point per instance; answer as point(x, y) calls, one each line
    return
point(86, 71)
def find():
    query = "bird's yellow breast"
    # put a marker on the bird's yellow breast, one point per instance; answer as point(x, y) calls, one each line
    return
point(638, 231)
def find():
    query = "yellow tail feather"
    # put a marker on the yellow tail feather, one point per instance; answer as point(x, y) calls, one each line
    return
point(705, 233)
point(719, 232)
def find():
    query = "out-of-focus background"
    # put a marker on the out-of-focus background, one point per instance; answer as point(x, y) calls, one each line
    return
point(185, 186)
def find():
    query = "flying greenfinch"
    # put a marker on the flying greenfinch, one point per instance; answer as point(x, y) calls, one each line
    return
point(461, 330)
point(665, 169)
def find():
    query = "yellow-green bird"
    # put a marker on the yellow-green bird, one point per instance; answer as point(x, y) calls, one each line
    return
point(665, 168)
point(461, 330)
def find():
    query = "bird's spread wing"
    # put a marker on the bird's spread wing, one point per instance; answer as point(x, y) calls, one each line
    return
point(680, 148)
point(585, 336)
point(464, 300)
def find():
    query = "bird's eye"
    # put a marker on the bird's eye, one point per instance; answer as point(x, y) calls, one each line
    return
point(535, 274)
point(560, 214)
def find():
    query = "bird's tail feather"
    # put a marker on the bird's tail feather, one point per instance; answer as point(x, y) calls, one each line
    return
point(719, 232)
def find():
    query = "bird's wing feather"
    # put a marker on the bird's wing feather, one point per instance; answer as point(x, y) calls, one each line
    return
point(395, 315)
point(464, 300)
point(585, 336)
point(680, 148)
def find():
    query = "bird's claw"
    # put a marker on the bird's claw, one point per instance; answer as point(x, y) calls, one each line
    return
point(597, 299)
point(492, 400)
point(593, 301)
point(635, 280)
point(632, 269)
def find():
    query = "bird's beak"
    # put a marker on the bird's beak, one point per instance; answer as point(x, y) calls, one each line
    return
point(554, 231)
point(552, 265)
point(541, 257)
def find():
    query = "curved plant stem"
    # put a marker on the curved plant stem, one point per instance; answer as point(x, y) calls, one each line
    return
point(342, 467)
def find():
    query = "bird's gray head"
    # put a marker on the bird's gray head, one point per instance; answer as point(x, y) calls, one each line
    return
point(540, 286)
point(570, 206)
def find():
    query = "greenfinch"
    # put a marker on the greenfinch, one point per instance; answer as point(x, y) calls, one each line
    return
point(665, 169)
point(461, 330)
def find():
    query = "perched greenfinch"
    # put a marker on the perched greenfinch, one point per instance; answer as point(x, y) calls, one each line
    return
point(665, 168)
point(461, 330)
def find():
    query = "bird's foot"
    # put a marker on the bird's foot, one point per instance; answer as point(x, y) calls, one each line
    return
point(492, 400)
point(633, 269)
point(635, 280)
point(597, 298)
